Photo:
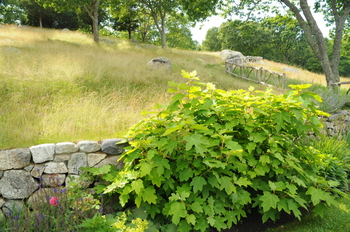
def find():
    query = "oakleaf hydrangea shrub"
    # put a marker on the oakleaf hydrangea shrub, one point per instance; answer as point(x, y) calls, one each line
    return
point(210, 156)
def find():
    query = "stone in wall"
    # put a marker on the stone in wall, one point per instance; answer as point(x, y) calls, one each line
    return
point(37, 170)
point(17, 184)
point(55, 167)
point(66, 147)
point(337, 124)
point(43, 152)
point(48, 166)
point(88, 146)
point(95, 158)
point(13, 207)
point(53, 180)
point(42, 195)
point(110, 160)
point(14, 159)
point(77, 161)
point(110, 146)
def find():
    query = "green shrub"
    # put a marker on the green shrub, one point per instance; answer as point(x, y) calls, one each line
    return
point(108, 223)
point(211, 156)
point(334, 158)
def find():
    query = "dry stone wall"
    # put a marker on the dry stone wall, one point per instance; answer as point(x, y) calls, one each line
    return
point(338, 123)
point(23, 170)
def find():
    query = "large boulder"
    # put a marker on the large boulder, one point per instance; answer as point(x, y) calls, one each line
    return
point(229, 54)
point(159, 63)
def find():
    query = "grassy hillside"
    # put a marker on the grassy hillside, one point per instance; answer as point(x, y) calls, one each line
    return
point(59, 86)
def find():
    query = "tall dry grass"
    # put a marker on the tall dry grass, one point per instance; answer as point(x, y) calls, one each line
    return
point(59, 86)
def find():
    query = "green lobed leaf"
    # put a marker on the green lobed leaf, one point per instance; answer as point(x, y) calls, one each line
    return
point(185, 174)
point(184, 226)
point(227, 184)
point(270, 214)
point(202, 224)
point(148, 195)
point(243, 181)
point(316, 195)
point(190, 218)
point(198, 141)
point(264, 159)
point(137, 186)
point(258, 137)
point(269, 201)
point(178, 211)
point(196, 206)
point(294, 207)
point(198, 182)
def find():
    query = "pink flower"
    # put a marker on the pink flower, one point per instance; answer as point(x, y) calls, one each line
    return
point(54, 201)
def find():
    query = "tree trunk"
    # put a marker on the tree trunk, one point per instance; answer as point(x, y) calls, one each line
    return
point(41, 22)
point(163, 35)
point(316, 40)
point(93, 13)
point(95, 6)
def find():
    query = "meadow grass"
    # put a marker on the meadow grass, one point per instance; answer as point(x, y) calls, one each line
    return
point(334, 219)
point(59, 86)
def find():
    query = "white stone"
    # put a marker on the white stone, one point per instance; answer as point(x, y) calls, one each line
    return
point(66, 147)
point(43, 152)
point(88, 146)
point(55, 167)
point(159, 63)
point(229, 54)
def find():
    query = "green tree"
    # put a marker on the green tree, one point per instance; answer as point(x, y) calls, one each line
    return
point(36, 15)
point(179, 35)
point(91, 7)
point(11, 12)
point(212, 41)
point(336, 12)
point(159, 10)
point(248, 37)
point(287, 41)
point(126, 16)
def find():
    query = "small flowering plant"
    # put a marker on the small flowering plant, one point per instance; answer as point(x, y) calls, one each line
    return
point(57, 208)
point(54, 201)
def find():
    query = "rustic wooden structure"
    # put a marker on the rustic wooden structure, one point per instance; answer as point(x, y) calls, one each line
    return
point(237, 68)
